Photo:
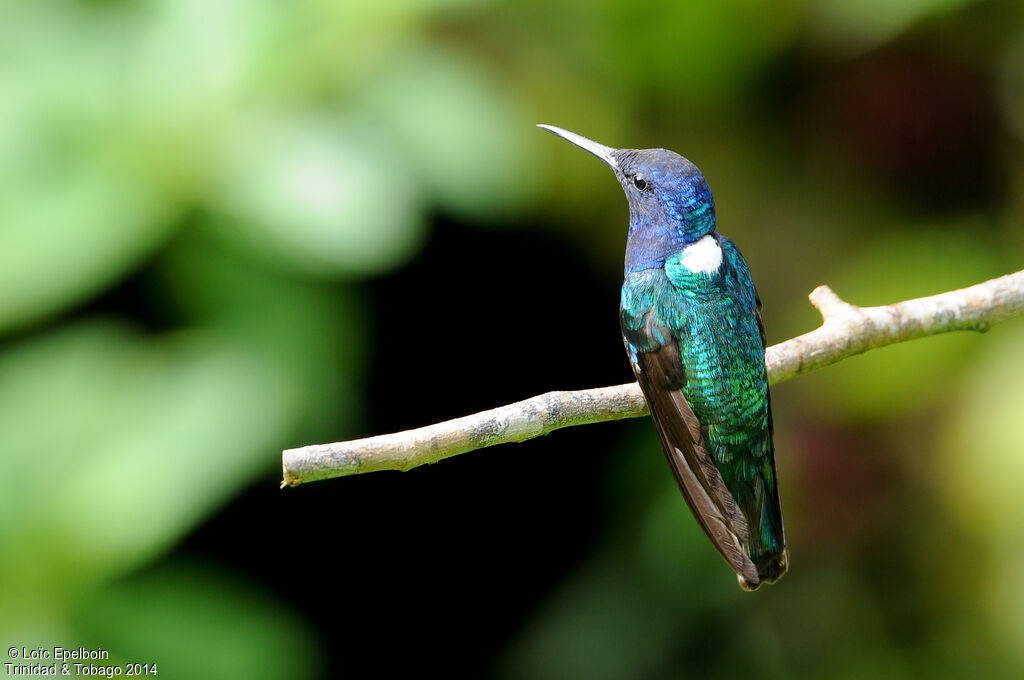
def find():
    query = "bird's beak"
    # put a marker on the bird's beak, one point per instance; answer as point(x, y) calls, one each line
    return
point(600, 150)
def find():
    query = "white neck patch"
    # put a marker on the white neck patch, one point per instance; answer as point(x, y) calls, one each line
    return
point(704, 256)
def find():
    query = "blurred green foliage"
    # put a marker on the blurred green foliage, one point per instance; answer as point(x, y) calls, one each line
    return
point(261, 160)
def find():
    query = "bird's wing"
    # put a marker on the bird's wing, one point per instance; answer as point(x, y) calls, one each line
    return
point(653, 351)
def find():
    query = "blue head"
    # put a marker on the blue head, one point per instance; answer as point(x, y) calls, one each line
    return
point(670, 204)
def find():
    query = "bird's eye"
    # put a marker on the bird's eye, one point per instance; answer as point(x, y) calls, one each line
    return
point(639, 182)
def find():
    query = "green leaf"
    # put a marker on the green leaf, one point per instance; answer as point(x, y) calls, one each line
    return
point(120, 444)
point(981, 466)
point(455, 127)
point(318, 197)
point(68, 229)
point(863, 24)
point(193, 622)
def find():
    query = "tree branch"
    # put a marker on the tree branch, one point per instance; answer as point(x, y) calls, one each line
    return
point(846, 330)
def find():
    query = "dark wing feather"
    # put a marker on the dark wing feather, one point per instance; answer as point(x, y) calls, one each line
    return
point(661, 377)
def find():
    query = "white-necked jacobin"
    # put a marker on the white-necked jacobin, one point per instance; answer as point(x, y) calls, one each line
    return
point(691, 323)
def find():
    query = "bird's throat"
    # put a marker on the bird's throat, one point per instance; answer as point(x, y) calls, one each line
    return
point(703, 257)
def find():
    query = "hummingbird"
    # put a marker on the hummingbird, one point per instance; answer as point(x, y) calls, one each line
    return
point(691, 324)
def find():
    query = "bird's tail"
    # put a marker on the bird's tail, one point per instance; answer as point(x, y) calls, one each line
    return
point(758, 499)
point(768, 545)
